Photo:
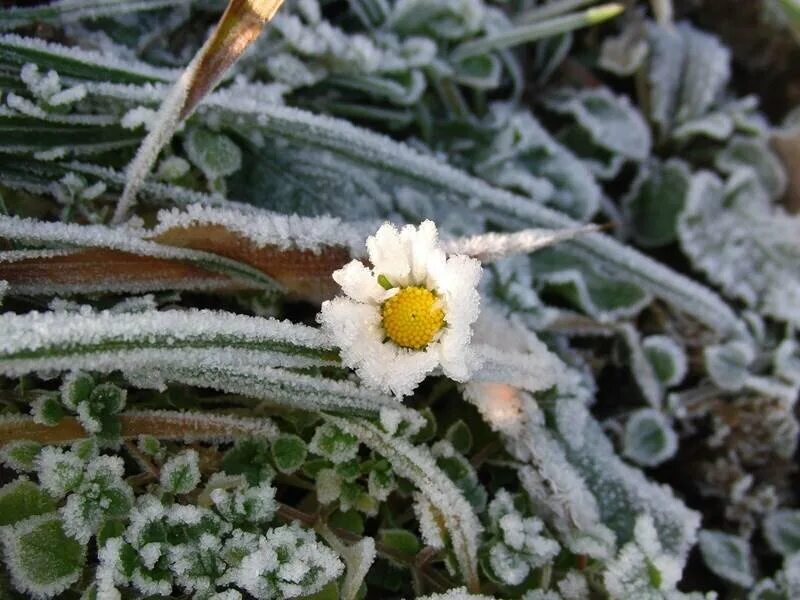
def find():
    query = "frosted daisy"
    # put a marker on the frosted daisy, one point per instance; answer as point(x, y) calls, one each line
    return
point(409, 314)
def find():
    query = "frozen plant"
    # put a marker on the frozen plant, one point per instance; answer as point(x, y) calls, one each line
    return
point(440, 299)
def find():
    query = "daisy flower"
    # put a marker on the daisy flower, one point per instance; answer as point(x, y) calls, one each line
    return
point(407, 315)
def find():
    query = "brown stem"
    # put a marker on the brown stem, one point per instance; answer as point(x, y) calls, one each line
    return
point(164, 425)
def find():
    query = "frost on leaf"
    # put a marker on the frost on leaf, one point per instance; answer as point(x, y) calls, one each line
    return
point(21, 499)
point(655, 200)
point(642, 569)
point(334, 444)
point(287, 562)
point(215, 154)
point(688, 71)
point(782, 531)
point(20, 455)
point(42, 559)
point(743, 243)
point(181, 473)
point(727, 556)
point(649, 438)
point(611, 121)
point(102, 494)
point(289, 452)
point(728, 364)
point(519, 543)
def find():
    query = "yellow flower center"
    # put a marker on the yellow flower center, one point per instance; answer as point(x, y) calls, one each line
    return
point(412, 317)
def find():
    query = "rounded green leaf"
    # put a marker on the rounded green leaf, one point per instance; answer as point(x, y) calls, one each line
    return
point(215, 154)
point(289, 452)
point(649, 438)
point(40, 557)
point(21, 499)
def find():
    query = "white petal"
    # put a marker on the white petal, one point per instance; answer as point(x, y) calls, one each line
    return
point(359, 283)
point(422, 242)
point(389, 254)
point(458, 290)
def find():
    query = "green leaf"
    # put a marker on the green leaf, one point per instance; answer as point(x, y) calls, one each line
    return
point(181, 473)
point(16, 51)
point(334, 444)
point(111, 528)
point(782, 530)
point(381, 481)
point(401, 540)
point(428, 431)
point(649, 438)
point(728, 556)
point(107, 399)
point(41, 558)
point(460, 436)
point(349, 520)
point(215, 154)
point(21, 499)
point(76, 389)
point(655, 202)
point(728, 364)
point(349, 470)
point(149, 445)
point(31, 134)
point(289, 452)
point(47, 409)
point(20, 455)
point(249, 457)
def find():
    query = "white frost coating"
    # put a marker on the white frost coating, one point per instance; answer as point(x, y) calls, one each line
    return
point(728, 556)
point(46, 332)
point(641, 367)
point(743, 243)
point(88, 58)
point(429, 527)
point(489, 247)
point(411, 257)
point(659, 347)
point(456, 594)
point(126, 240)
point(574, 586)
point(9, 538)
point(629, 574)
point(181, 473)
point(610, 120)
point(268, 229)
point(521, 547)
point(137, 117)
point(3, 287)
point(101, 491)
point(59, 471)
point(620, 261)
point(288, 562)
point(417, 464)
point(68, 96)
point(649, 438)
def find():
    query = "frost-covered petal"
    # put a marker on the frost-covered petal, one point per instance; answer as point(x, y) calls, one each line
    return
point(358, 282)
point(462, 305)
point(389, 254)
point(425, 254)
point(357, 330)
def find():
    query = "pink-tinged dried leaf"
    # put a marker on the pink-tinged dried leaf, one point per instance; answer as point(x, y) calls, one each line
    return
point(303, 273)
point(102, 270)
point(239, 26)
point(787, 145)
